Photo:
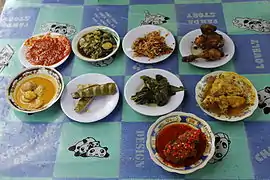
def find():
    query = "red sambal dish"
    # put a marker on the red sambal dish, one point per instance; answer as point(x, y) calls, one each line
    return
point(47, 49)
point(180, 145)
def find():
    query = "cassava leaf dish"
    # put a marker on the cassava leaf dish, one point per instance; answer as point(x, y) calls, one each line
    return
point(155, 91)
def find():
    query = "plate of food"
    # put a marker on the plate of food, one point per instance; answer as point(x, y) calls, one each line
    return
point(46, 49)
point(95, 43)
point(180, 142)
point(89, 97)
point(154, 92)
point(148, 44)
point(226, 96)
point(206, 47)
point(35, 89)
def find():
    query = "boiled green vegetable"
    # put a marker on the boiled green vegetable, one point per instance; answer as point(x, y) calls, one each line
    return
point(155, 91)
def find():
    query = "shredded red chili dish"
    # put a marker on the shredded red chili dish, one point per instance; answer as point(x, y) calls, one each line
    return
point(47, 49)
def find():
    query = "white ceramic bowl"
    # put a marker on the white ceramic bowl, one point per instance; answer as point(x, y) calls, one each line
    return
point(56, 76)
point(187, 118)
point(141, 31)
point(78, 36)
point(27, 64)
point(186, 43)
point(134, 84)
point(199, 92)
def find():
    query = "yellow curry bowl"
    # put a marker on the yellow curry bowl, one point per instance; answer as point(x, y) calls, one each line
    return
point(35, 89)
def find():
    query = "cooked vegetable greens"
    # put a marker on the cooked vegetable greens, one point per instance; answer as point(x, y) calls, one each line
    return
point(96, 44)
point(155, 91)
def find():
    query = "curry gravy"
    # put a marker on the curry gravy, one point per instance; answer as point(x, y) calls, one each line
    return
point(48, 94)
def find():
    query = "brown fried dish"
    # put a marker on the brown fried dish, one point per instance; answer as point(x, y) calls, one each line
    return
point(151, 46)
point(209, 44)
point(228, 94)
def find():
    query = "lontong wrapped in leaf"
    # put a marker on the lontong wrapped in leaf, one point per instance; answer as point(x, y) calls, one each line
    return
point(84, 86)
point(99, 90)
point(82, 104)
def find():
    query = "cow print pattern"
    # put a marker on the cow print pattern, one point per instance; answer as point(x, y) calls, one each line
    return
point(61, 28)
point(254, 24)
point(154, 19)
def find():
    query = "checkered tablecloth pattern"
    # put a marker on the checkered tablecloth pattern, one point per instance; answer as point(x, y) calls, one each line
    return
point(35, 147)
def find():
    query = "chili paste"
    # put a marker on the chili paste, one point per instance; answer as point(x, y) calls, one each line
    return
point(180, 145)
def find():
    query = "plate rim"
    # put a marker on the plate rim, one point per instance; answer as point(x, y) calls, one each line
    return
point(229, 57)
point(178, 113)
point(79, 34)
point(72, 80)
point(152, 114)
point(166, 56)
point(221, 118)
point(25, 63)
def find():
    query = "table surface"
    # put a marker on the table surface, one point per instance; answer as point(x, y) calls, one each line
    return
point(35, 147)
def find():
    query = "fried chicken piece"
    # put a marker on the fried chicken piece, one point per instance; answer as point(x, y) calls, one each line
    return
point(209, 42)
point(213, 40)
point(208, 29)
point(225, 86)
point(209, 102)
point(223, 102)
point(236, 101)
point(211, 55)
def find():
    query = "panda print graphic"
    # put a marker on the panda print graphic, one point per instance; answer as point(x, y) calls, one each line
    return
point(264, 100)
point(222, 144)
point(89, 147)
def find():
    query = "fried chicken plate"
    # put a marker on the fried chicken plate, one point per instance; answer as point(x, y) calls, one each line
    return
point(210, 44)
point(227, 91)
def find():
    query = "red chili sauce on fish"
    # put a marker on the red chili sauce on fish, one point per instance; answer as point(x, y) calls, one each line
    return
point(180, 145)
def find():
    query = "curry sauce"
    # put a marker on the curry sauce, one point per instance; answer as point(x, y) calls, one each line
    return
point(35, 92)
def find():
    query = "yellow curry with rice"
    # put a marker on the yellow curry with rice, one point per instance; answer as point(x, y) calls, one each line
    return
point(228, 94)
point(35, 92)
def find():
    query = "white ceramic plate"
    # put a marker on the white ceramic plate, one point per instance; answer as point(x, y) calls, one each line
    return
point(27, 64)
point(199, 92)
point(187, 42)
point(141, 31)
point(78, 36)
point(100, 106)
point(185, 118)
point(134, 84)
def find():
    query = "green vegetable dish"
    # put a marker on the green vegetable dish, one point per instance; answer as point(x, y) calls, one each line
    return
point(155, 91)
point(97, 44)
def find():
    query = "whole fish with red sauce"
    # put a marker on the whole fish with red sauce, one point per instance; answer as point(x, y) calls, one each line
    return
point(183, 147)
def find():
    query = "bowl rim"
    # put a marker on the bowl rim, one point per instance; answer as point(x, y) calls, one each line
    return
point(170, 169)
point(27, 64)
point(224, 118)
point(53, 101)
point(90, 29)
